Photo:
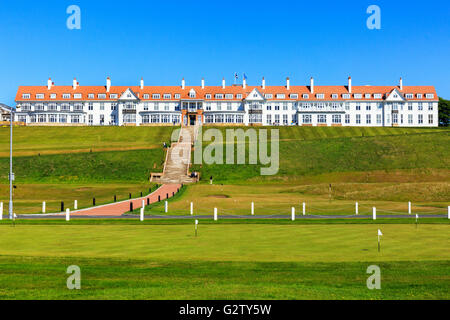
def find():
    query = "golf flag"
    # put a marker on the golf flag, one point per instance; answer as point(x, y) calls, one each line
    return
point(245, 76)
point(196, 222)
point(236, 75)
point(379, 232)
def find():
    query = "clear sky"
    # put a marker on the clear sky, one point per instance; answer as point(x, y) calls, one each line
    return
point(166, 40)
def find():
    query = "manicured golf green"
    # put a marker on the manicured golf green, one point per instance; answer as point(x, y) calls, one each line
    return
point(225, 261)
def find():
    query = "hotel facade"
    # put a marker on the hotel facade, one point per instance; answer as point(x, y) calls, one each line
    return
point(345, 105)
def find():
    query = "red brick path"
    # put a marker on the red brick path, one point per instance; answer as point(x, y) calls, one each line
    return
point(119, 208)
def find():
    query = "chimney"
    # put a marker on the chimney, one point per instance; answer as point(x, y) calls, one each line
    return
point(288, 83)
point(223, 83)
point(75, 84)
point(108, 84)
point(183, 84)
point(244, 83)
point(401, 84)
point(142, 83)
point(263, 85)
point(203, 83)
point(49, 83)
point(311, 85)
point(350, 84)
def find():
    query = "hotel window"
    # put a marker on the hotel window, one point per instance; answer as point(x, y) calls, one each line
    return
point(52, 118)
point(63, 118)
point(281, 96)
point(66, 96)
point(358, 119)
point(419, 96)
point(347, 106)
point(420, 119)
point(367, 95)
point(420, 106)
point(429, 96)
point(277, 107)
point(269, 119)
point(177, 96)
point(165, 118)
point(39, 107)
point(320, 96)
point(166, 107)
point(229, 118)
point(307, 118)
point(129, 118)
point(208, 96)
point(154, 118)
point(52, 107)
point(156, 96)
point(410, 106)
point(65, 107)
point(40, 96)
point(378, 118)
point(113, 106)
point(229, 107)
point(409, 96)
point(430, 106)
point(336, 118)
point(208, 106)
point(285, 119)
point(347, 118)
point(368, 119)
point(368, 107)
point(22, 119)
point(228, 96)
point(269, 107)
point(430, 119)
point(239, 96)
point(102, 106)
point(91, 96)
point(167, 96)
point(146, 96)
point(114, 96)
point(78, 107)
point(358, 96)
point(102, 96)
point(268, 96)
point(146, 106)
point(394, 106)
point(175, 118)
point(377, 96)
point(90, 106)
point(156, 106)
point(277, 119)
point(358, 106)
point(146, 118)
point(410, 118)
point(219, 106)
point(209, 118)
point(219, 96)
point(26, 107)
point(346, 96)
point(219, 118)
point(305, 96)
point(322, 118)
point(33, 118)
point(395, 118)
point(75, 119)
point(334, 96)
point(91, 119)
point(53, 96)
point(285, 106)
point(239, 118)
point(294, 96)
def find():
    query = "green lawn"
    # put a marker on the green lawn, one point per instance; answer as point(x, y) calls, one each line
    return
point(239, 261)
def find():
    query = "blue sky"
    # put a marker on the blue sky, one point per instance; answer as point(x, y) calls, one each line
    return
point(165, 41)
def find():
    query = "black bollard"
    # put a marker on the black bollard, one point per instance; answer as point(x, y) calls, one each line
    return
point(149, 190)
point(115, 198)
point(141, 193)
point(62, 206)
point(93, 202)
point(130, 195)
point(173, 194)
point(167, 196)
point(159, 198)
point(148, 201)
point(131, 206)
point(178, 190)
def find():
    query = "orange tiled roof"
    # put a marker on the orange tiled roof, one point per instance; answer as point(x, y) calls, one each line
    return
point(327, 91)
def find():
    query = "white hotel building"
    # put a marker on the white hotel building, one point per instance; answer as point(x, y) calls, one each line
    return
point(345, 105)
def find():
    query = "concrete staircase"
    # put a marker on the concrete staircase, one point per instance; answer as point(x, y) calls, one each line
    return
point(178, 159)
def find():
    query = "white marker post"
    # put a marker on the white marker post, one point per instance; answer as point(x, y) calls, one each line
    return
point(142, 214)
point(67, 214)
point(75, 204)
point(356, 208)
point(253, 208)
point(196, 226)
point(379, 239)
point(417, 219)
point(1, 211)
point(143, 203)
point(192, 208)
point(304, 208)
point(166, 209)
point(409, 207)
point(215, 214)
point(293, 214)
point(448, 212)
point(374, 213)
point(43, 207)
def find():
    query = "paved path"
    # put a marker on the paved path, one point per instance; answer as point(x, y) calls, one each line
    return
point(119, 208)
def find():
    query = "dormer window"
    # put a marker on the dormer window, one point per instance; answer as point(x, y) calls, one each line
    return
point(409, 96)
point(177, 96)
point(228, 96)
point(66, 96)
point(239, 96)
point(320, 96)
point(146, 96)
point(192, 93)
point(293, 96)
point(281, 96)
point(346, 96)
point(305, 96)
point(358, 96)
point(26, 96)
point(219, 96)
point(156, 96)
point(113, 96)
point(268, 96)
point(77, 96)
point(102, 96)
point(167, 96)
point(419, 96)
point(40, 96)
point(377, 95)
point(334, 96)
point(53, 96)
point(91, 96)
point(367, 95)
point(208, 96)
point(429, 96)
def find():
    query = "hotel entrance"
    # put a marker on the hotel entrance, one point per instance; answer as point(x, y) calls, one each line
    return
point(191, 118)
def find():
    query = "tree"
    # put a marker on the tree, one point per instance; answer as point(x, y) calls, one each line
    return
point(444, 112)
